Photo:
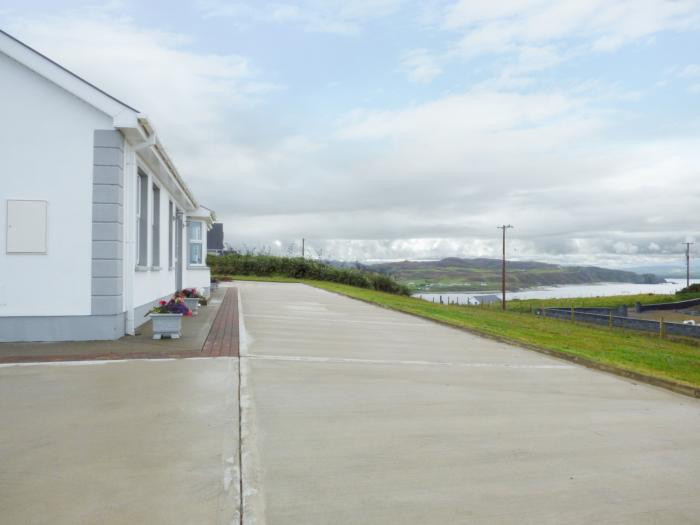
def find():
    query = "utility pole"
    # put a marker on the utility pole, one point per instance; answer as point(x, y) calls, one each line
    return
point(687, 262)
point(503, 268)
point(303, 247)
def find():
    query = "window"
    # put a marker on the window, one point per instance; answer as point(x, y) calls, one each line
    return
point(171, 220)
point(26, 226)
point(142, 220)
point(155, 247)
point(194, 236)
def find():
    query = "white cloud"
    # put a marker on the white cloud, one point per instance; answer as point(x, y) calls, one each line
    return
point(464, 118)
point(420, 65)
point(200, 103)
point(690, 71)
point(321, 16)
point(186, 93)
point(599, 25)
point(428, 179)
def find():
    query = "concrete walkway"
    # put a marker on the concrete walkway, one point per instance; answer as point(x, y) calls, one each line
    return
point(114, 432)
point(119, 442)
point(356, 414)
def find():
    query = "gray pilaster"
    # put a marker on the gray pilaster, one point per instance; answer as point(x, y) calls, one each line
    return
point(107, 222)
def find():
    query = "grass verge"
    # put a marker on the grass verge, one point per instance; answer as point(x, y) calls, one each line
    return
point(673, 360)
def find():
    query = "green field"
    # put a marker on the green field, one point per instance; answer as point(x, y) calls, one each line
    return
point(671, 359)
point(529, 305)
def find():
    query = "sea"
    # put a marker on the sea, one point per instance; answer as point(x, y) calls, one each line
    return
point(563, 292)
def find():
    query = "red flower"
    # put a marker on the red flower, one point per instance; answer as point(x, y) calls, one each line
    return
point(189, 313)
point(163, 303)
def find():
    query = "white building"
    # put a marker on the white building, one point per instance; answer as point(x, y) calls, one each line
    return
point(97, 225)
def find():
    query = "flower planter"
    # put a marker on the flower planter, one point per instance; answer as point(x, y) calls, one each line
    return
point(193, 304)
point(166, 325)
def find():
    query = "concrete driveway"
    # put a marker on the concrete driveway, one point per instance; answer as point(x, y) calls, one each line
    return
point(356, 414)
point(349, 414)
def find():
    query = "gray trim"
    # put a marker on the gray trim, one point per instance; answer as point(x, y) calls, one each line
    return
point(76, 327)
point(108, 156)
point(111, 212)
point(106, 304)
point(107, 225)
point(107, 175)
point(107, 231)
point(107, 138)
point(107, 268)
point(62, 328)
point(107, 250)
point(106, 286)
point(105, 193)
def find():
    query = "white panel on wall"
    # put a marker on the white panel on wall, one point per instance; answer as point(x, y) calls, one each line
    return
point(27, 226)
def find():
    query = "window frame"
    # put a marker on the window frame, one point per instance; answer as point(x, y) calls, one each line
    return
point(171, 234)
point(142, 192)
point(155, 227)
point(191, 242)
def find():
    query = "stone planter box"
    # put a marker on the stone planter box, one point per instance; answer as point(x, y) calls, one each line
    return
point(166, 325)
point(193, 304)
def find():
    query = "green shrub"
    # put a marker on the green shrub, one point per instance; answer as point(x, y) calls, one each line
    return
point(298, 268)
point(693, 288)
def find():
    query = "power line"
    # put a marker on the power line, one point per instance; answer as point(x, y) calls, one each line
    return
point(503, 268)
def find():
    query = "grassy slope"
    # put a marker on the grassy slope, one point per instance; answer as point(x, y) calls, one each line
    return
point(645, 353)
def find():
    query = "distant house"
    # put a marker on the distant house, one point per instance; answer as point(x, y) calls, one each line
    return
point(215, 239)
point(96, 224)
point(487, 299)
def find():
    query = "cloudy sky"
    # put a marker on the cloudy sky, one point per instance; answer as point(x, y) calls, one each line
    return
point(387, 129)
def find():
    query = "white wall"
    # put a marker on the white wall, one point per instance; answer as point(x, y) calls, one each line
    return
point(200, 278)
point(46, 153)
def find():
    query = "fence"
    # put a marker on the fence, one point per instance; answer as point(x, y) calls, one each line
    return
point(610, 319)
point(680, 305)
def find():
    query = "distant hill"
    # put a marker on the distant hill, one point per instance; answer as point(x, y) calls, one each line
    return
point(455, 274)
point(672, 271)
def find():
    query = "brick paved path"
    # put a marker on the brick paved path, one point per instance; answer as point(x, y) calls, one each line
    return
point(223, 335)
